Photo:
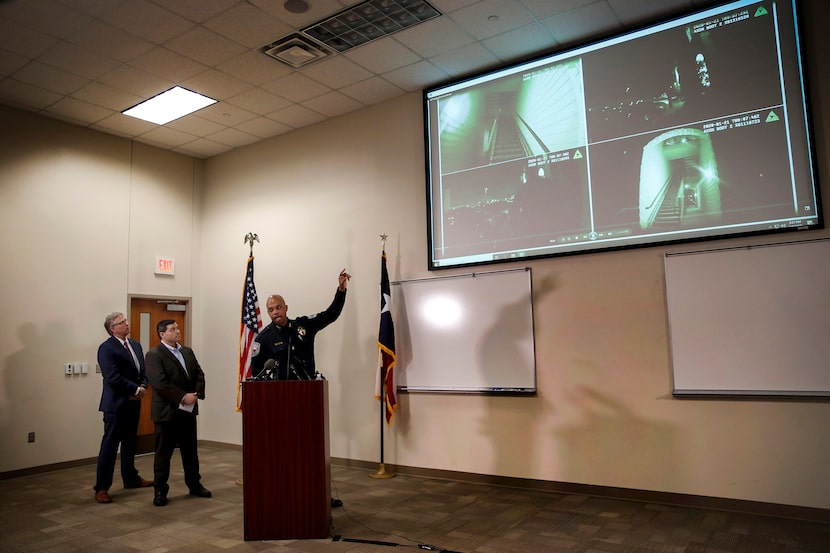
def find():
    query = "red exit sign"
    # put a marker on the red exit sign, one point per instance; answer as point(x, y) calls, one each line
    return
point(165, 266)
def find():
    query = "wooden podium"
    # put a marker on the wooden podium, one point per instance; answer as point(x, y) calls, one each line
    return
point(286, 468)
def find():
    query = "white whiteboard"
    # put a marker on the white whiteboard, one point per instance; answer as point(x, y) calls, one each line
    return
point(751, 321)
point(465, 334)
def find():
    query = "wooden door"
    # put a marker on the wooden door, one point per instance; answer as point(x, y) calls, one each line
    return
point(145, 314)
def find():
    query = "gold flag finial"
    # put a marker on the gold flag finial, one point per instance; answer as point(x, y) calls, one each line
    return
point(249, 239)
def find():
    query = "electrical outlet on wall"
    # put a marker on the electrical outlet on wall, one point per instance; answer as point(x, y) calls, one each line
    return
point(67, 368)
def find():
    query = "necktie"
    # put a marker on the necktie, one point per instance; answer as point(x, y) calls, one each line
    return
point(132, 354)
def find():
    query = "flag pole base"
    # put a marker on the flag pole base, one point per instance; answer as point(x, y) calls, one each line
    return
point(381, 472)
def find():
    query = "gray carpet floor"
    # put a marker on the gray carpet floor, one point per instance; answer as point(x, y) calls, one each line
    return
point(55, 512)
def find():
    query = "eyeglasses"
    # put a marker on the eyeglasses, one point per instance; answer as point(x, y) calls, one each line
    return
point(120, 322)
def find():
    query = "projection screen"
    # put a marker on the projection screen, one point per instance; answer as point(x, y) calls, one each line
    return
point(692, 129)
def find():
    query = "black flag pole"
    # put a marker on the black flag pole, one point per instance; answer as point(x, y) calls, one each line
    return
point(382, 472)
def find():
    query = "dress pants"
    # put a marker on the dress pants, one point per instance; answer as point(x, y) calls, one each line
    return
point(182, 431)
point(119, 428)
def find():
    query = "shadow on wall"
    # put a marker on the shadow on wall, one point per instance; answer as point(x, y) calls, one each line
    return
point(21, 373)
point(26, 403)
point(612, 436)
point(512, 420)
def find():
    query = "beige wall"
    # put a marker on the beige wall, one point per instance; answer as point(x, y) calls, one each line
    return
point(82, 218)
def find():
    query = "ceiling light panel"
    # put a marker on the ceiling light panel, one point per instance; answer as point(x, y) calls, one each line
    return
point(369, 20)
point(169, 105)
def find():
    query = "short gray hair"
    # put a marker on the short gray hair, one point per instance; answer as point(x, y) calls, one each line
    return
point(110, 318)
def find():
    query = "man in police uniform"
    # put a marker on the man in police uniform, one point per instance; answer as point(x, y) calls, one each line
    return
point(284, 350)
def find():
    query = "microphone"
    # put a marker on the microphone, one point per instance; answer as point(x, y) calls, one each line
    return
point(268, 367)
point(291, 366)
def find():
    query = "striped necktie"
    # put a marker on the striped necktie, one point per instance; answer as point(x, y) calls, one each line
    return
point(132, 354)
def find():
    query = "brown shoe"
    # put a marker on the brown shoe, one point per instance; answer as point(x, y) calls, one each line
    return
point(140, 483)
point(102, 496)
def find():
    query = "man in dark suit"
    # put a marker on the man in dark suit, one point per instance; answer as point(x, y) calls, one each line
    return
point(178, 383)
point(125, 383)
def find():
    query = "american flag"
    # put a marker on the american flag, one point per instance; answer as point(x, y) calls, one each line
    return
point(250, 326)
point(385, 384)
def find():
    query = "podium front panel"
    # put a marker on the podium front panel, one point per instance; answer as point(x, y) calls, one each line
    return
point(285, 456)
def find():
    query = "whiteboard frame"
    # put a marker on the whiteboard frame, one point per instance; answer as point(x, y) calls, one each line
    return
point(781, 313)
point(474, 355)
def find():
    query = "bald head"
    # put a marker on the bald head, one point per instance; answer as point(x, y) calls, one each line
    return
point(277, 309)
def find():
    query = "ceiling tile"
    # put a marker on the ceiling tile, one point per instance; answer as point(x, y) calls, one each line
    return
point(79, 60)
point(520, 43)
point(92, 8)
point(383, 55)
point(45, 16)
point(248, 25)
point(136, 81)
point(543, 9)
point(226, 114)
point(202, 148)
point(434, 37)
point(317, 10)
point(147, 20)
point(233, 138)
point(205, 46)
point(422, 74)
point(258, 101)
point(216, 85)
point(372, 91)
point(165, 137)
point(25, 95)
point(337, 71)
point(573, 26)
point(332, 104)
point(50, 78)
point(195, 125)
point(254, 67)
point(79, 111)
point(449, 6)
point(102, 37)
point(11, 62)
point(638, 12)
point(492, 17)
point(124, 125)
point(168, 64)
point(24, 41)
point(197, 10)
point(296, 87)
point(104, 95)
point(466, 60)
point(264, 128)
point(296, 116)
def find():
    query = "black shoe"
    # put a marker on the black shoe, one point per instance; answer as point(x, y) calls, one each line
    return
point(140, 483)
point(336, 502)
point(201, 491)
point(160, 500)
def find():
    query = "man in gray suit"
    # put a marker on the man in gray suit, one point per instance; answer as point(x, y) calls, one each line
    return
point(178, 383)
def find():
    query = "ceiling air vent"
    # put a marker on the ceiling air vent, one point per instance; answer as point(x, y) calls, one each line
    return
point(296, 51)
